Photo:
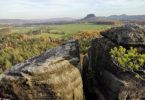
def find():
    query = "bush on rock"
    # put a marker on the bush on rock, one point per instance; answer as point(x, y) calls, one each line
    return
point(127, 60)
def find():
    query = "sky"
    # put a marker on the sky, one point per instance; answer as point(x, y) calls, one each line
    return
point(40, 9)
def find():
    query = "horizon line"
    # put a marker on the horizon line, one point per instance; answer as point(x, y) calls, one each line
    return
point(69, 17)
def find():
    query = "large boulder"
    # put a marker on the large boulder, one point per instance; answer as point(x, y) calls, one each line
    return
point(53, 75)
point(101, 78)
point(131, 34)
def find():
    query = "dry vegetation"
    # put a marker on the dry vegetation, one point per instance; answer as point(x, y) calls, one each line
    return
point(20, 43)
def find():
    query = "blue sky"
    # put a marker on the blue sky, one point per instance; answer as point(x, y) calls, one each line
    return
point(37, 9)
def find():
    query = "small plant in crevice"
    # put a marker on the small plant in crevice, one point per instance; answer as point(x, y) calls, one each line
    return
point(128, 60)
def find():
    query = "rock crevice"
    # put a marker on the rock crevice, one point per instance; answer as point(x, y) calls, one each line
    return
point(111, 83)
point(58, 75)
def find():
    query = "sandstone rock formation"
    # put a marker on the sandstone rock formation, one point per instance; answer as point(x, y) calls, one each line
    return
point(53, 75)
point(101, 78)
point(56, 74)
point(131, 34)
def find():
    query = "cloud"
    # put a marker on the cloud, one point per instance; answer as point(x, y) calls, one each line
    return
point(68, 8)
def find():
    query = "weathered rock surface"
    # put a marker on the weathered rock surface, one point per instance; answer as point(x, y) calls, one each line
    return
point(131, 34)
point(53, 75)
point(101, 78)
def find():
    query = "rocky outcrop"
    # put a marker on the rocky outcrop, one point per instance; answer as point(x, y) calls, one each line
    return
point(129, 35)
point(53, 75)
point(101, 78)
point(89, 18)
point(56, 74)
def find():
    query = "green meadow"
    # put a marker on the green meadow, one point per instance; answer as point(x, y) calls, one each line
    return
point(74, 28)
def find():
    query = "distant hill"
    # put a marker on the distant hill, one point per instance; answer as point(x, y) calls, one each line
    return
point(123, 17)
point(89, 18)
point(126, 17)
point(24, 21)
point(92, 18)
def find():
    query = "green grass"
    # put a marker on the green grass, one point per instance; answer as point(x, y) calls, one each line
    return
point(23, 29)
point(74, 28)
point(66, 28)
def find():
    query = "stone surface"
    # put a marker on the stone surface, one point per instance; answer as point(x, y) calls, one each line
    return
point(101, 78)
point(53, 75)
point(131, 34)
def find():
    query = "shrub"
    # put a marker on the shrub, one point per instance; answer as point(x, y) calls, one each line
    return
point(127, 60)
point(84, 38)
point(56, 32)
point(16, 48)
